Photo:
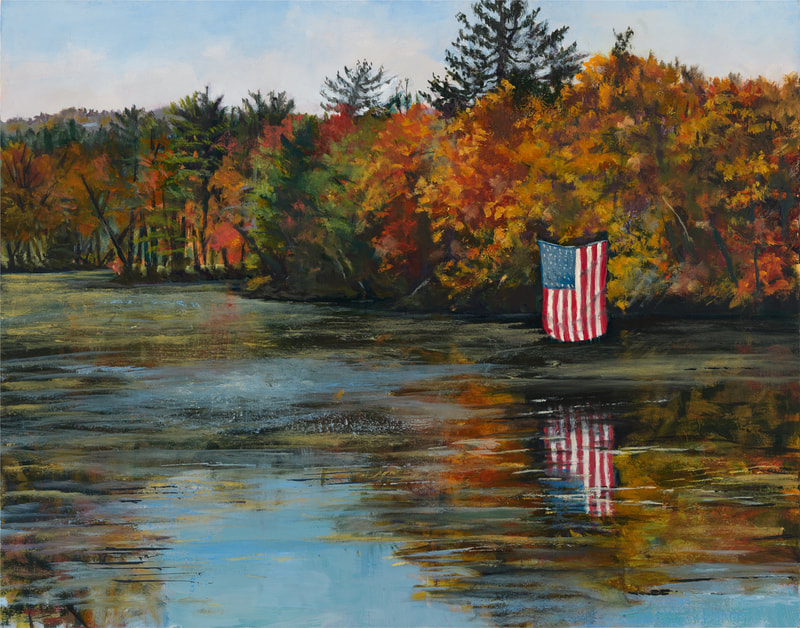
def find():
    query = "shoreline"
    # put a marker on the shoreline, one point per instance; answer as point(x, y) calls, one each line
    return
point(410, 306)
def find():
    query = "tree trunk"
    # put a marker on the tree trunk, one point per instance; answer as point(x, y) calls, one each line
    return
point(268, 263)
point(131, 230)
point(196, 252)
point(144, 247)
point(117, 247)
point(97, 248)
point(201, 232)
point(725, 253)
point(757, 290)
point(78, 247)
point(11, 255)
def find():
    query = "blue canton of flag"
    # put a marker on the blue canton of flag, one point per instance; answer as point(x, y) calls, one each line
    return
point(558, 265)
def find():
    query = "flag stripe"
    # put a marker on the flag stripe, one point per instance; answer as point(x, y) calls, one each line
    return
point(581, 295)
point(559, 324)
point(590, 297)
point(601, 269)
point(546, 316)
point(596, 290)
point(568, 315)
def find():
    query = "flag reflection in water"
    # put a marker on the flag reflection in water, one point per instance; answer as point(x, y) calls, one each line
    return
point(578, 450)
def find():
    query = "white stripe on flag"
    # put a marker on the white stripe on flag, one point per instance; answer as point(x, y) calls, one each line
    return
point(596, 295)
point(570, 316)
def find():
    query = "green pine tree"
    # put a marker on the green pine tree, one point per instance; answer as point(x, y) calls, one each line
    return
point(359, 89)
point(201, 125)
point(503, 41)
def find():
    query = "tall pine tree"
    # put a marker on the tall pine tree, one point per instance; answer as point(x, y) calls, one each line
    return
point(503, 41)
point(359, 89)
point(200, 125)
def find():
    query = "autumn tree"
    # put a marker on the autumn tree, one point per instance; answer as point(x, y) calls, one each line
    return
point(92, 185)
point(472, 197)
point(305, 210)
point(29, 201)
point(228, 218)
point(611, 159)
point(686, 177)
point(503, 41)
point(738, 190)
point(400, 157)
point(161, 191)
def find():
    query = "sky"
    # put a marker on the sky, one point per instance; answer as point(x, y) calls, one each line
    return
point(111, 54)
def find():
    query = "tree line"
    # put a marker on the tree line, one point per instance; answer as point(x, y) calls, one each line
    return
point(439, 197)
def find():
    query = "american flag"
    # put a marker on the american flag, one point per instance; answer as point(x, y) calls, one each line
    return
point(574, 279)
point(580, 447)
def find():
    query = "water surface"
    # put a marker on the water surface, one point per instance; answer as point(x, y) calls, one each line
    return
point(180, 456)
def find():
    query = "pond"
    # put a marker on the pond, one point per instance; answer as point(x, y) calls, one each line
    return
point(176, 455)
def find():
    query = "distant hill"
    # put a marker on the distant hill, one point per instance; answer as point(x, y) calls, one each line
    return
point(89, 119)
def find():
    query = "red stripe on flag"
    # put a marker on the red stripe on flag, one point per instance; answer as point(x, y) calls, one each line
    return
point(601, 292)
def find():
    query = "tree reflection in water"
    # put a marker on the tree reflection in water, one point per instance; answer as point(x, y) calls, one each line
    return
point(536, 514)
point(73, 553)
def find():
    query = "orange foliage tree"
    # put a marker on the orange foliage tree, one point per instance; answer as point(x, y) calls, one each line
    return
point(91, 185)
point(471, 197)
point(388, 197)
point(30, 209)
point(602, 162)
point(740, 188)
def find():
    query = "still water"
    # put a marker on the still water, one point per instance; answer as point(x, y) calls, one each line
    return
point(180, 456)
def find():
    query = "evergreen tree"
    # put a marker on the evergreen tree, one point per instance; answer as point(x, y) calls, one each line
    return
point(201, 125)
point(359, 89)
point(256, 111)
point(126, 130)
point(503, 42)
point(622, 42)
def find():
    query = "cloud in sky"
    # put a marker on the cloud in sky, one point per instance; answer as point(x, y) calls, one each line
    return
point(109, 55)
point(281, 46)
point(748, 37)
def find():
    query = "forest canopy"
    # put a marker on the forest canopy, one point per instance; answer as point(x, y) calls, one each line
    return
point(694, 181)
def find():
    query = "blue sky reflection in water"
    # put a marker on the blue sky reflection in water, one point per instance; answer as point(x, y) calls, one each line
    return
point(182, 456)
point(280, 560)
